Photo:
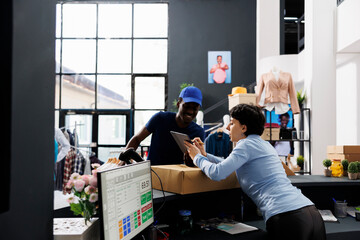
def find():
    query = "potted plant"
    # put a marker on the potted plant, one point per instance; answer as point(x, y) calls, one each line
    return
point(352, 171)
point(182, 86)
point(300, 161)
point(301, 97)
point(327, 164)
point(345, 164)
point(358, 168)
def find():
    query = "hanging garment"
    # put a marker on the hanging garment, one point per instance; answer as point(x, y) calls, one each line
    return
point(79, 163)
point(278, 91)
point(218, 143)
point(59, 174)
point(68, 169)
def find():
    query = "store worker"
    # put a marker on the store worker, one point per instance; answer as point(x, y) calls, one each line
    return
point(163, 148)
point(286, 211)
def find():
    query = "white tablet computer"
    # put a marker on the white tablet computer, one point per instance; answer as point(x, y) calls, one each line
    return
point(180, 138)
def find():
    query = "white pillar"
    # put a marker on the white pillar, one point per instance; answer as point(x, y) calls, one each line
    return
point(267, 30)
point(320, 77)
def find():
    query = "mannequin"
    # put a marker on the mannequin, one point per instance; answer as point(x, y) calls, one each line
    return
point(279, 87)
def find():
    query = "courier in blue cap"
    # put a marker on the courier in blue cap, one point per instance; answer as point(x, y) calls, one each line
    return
point(163, 148)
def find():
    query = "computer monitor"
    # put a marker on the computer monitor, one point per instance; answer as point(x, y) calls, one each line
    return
point(125, 201)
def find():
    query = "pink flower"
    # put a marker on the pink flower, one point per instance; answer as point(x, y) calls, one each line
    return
point(94, 172)
point(79, 185)
point(93, 181)
point(93, 197)
point(86, 179)
point(75, 176)
point(70, 184)
point(90, 189)
point(71, 199)
point(95, 165)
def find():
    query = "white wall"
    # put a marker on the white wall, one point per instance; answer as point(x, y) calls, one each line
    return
point(348, 30)
point(267, 30)
point(348, 101)
point(320, 79)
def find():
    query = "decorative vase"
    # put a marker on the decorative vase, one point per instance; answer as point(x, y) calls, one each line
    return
point(327, 172)
point(352, 176)
point(345, 174)
point(336, 168)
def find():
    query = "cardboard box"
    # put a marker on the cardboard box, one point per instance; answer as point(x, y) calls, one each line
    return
point(349, 149)
point(182, 179)
point(248, 98)
point(75, 229)
point(275, 134)
point(350, 157)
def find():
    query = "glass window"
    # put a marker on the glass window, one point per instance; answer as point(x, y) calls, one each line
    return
point(150, 56)
point(104, 153)
point(140, 119)
point(149, 93)
point(58, 21)
point(78, 92)
point(114, 92)
point(115, 20)
point(57, 55)
point(57, 91)
point(79, 20)
point(150, 20)
point(114, 56)
point(112, 129)
point(82, 125)
point(78, 56)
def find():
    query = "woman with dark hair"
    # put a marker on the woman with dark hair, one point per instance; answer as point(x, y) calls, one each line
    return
point(286, 211)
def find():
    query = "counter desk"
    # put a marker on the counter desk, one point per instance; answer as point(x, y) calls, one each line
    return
point(233, 203)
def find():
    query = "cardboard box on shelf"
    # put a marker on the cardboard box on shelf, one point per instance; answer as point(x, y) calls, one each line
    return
point(248, 98)
point(182, 179)
point(275, 134)
point(350, 157)
point(344, 149)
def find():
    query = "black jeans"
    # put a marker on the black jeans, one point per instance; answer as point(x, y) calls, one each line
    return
point(302, 224)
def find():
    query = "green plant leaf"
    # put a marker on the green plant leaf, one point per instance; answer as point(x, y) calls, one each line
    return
point(76, 208)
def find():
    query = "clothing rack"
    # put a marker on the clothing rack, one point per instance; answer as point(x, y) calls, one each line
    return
point(80, 149)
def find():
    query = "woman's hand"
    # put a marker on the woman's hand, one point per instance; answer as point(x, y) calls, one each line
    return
point(200, 145)
point(192, 149)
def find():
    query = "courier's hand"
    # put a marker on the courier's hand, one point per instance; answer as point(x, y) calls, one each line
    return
point(200, 145)
point(192, 149)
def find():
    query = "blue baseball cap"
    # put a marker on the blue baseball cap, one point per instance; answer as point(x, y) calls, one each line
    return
point(191, 94)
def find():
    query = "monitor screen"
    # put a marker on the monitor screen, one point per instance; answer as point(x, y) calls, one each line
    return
point(276, 118)
point(125, 199)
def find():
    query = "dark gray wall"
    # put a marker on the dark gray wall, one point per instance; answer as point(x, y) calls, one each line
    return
point(32, 128)
point(199, 26)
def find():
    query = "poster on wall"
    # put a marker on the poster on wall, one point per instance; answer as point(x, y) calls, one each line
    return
point(219, 67)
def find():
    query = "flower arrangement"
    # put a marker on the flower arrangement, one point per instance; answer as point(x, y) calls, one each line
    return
point(84, 199)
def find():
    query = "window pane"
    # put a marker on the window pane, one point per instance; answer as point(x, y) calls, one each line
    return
point(78, 56)
point(57, 91)
point(104, 153)
point(58, 20)
point(78, 92)
point(150, 20)
point(82, 125)
point(140, 119)
point(57, 55)
point(150, 56)
point(79, 20)
point(112, 129)
point(114, 56)
point(115, 20)
point(114, 91)
point(149, 93)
